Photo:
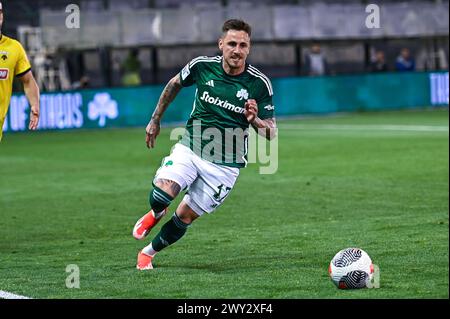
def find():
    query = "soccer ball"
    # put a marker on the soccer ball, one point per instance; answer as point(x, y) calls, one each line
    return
point(351, 268)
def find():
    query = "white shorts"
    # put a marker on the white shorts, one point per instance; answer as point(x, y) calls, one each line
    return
point(207, 184)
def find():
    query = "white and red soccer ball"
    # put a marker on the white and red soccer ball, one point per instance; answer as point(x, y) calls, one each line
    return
point(351, 268)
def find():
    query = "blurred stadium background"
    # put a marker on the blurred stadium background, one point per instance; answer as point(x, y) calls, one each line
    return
point(153, 39)
point(143, 43)
point(167, 33)
point(378, 180)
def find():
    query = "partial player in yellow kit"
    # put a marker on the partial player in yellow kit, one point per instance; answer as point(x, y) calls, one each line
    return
point(14, 62)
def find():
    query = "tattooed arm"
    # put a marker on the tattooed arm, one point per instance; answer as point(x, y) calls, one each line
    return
point(167, 96)
point(266, 127)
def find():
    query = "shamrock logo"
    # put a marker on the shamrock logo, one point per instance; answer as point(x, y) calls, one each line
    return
point(102, 107)
point(242, 94)
point(168, 163)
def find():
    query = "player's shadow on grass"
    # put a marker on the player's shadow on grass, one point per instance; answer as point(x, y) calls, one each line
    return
point(249, 263)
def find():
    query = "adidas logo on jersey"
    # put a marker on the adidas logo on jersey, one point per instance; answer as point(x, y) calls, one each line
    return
point(4, 74)
point(224, 104)
point(210, 83)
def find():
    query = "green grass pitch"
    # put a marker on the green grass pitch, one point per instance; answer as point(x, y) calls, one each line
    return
point(343, 181)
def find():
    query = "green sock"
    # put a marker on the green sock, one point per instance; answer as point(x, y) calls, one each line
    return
point(159, 199)
point(172, 231)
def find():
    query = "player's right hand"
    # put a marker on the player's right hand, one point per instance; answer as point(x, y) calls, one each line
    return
point(34, 118)
point(152, 131)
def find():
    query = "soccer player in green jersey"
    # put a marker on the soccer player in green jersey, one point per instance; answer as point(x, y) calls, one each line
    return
point(231, 95)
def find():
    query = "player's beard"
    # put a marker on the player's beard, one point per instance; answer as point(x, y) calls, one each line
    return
point(235, 62)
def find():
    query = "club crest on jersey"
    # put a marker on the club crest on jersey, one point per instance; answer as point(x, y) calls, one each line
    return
point(4, 74)
point(242, 94)
point(3, 55)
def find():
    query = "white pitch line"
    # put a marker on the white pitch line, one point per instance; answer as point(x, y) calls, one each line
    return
point(414, 128)
point(8, 295)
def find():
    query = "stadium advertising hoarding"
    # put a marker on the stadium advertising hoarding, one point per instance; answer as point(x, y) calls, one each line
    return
point(439, 88)
point(94, 109)
point(133, 106)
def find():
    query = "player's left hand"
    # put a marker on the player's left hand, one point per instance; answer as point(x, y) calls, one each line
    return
point(34, 118)
point(251, 110)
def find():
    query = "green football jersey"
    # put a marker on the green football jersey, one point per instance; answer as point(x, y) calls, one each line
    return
point(217, 129)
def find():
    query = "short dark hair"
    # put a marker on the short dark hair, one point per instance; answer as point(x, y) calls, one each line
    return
point(238, 25)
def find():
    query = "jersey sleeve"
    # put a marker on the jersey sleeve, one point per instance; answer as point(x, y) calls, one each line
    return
point(22, 64)
point(266, 109)
point(189, 74)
